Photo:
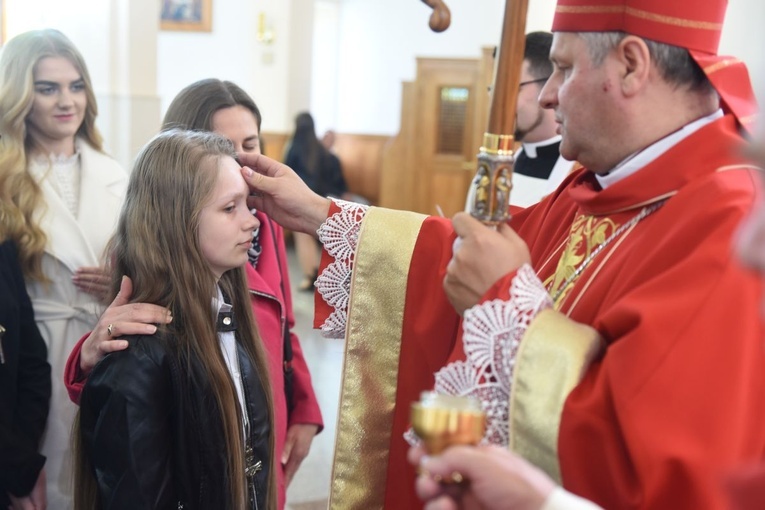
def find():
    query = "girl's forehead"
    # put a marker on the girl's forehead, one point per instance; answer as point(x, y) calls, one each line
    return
point(229, 175)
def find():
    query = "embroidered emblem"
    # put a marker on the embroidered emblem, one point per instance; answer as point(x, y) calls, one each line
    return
point(560, 289)
point(587, 233)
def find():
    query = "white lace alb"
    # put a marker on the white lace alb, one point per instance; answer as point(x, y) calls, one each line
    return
point(493, 331)
point(340, 236)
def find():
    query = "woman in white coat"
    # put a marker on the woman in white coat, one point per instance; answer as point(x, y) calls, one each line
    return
point(60, 196)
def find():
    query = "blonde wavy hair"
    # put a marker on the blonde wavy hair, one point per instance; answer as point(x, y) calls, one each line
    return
point(157, 245)
point(20, 195)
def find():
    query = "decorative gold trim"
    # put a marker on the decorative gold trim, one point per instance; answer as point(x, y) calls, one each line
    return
point(596, 270)
point(370, 371)
point(590, 9)
point(498, 144)
point(553, 357)
point(749, 119)
point(558, 251)
point(671, 20)
point(739, 167)
point(641, 204)
point(721, 65)
point(638, 13)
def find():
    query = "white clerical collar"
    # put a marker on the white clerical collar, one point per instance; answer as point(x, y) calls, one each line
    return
point(643, 158)
point(530, 148)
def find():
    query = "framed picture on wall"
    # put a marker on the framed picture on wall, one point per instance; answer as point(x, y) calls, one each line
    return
point(186, 15)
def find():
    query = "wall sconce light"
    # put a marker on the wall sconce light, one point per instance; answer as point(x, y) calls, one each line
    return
point(265, 33)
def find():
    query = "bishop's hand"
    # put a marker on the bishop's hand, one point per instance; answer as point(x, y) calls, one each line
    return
point(481, 257)
point(282, 195)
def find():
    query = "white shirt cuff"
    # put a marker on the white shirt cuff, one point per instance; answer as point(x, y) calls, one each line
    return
point(561, 499)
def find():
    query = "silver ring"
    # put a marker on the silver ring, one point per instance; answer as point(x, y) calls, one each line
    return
point(109, 329)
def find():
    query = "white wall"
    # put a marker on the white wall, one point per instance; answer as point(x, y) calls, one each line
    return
point(229, 52)
point(325, 65)
point(358, 53)
point(343, 59)
point(122, 63)
point(747, 17)
point(276, 75)
point(379, 42)
point(92, 41)
point(300, 78)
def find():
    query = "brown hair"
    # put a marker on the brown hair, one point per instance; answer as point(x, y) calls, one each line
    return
point(194, 106)
point(157, 246)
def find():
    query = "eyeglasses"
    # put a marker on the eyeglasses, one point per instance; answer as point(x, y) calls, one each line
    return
point(529, 82)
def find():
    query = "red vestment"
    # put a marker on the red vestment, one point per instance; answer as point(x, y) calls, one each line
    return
point(677, 398)
point(746, 488)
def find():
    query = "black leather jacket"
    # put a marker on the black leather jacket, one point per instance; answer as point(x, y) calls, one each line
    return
point(153, 432)
point(24, 382)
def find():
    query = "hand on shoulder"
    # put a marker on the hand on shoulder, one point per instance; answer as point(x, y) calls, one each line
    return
point(120, 319)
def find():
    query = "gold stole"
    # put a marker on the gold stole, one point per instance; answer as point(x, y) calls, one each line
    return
point(372, 347)
point(553, 356)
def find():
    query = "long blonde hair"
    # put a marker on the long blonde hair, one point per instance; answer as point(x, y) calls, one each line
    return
point(157, 246)
point(20, 195)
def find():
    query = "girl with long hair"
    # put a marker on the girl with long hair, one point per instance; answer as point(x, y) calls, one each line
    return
point(59, 200)
point(223, 107)
point(181, 419)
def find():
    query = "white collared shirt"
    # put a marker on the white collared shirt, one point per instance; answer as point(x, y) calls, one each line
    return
point(228, 348)
point(561, 499)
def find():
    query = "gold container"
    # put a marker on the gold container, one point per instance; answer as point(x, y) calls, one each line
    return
point(441, 421)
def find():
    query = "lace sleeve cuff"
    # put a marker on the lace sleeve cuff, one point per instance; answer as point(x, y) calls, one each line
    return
point(493, 331)
point(339, 235)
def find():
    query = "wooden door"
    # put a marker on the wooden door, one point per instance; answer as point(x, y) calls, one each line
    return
point(429, 165)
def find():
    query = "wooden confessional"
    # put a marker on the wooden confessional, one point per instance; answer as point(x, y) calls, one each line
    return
point(432, 160)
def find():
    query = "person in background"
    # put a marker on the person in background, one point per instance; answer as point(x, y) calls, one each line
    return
point(609, 300)
point(321, 171)
point(182, 419)
point(328, 139)
point(60, 201)
point(538, 168)
point(25, 384)
point(223, 107)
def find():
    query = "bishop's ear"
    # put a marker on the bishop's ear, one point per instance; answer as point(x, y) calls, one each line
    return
point(632, 53)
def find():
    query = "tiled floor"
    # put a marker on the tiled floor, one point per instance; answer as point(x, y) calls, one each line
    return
point(310, 487)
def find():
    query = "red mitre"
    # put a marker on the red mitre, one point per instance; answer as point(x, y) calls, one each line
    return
point(691, 24)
